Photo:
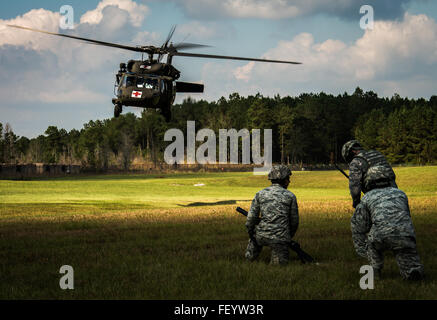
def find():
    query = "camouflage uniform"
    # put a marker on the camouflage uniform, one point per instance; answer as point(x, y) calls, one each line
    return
point(360, 164)
point(273, 219)
point(382, 222)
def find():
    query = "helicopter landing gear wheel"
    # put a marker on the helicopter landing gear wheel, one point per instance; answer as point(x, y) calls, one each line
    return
point(117, 110)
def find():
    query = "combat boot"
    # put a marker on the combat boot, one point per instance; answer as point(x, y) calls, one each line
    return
point(415, 275)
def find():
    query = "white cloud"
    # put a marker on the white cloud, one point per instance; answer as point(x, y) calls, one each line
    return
point(137, 12)
point(48, 69)
point(398, 47)
point(243, 73)
point(395, 57)
point(37, 19)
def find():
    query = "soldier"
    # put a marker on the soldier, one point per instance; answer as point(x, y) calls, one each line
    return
point(382, 222)
point(273, 218)
point(360, 161)
point(120, 72)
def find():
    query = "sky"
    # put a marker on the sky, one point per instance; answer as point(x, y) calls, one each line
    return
point(47, 80)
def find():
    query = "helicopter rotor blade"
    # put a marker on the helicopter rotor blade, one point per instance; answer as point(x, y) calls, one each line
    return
point(211, 56)
point(172, 50)
point(170, 34)
point(96, 42)
point(165, 44)
point(187, 45)
point(179, 46)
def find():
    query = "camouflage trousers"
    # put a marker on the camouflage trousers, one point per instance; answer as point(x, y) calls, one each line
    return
point(405, 252)
point(279, 254)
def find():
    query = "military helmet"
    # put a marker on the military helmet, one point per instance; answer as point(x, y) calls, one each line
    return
point(347, 147)
point(377, 177)
point(279, 172)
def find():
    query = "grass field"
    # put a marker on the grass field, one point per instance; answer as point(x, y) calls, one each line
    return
point(161, 237)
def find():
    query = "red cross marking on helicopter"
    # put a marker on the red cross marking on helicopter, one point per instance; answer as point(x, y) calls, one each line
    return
point(136, 94)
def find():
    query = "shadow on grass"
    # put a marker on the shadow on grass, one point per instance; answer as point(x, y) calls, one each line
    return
point(218, 203)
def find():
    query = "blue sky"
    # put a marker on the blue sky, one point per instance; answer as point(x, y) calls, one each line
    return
point(49, 81)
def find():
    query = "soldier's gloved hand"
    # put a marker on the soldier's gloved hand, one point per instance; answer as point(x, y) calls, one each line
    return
point(355, 203)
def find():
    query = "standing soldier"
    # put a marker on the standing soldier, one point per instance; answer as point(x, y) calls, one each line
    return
point(360, 161)
point(273, 218)
point(382, 222)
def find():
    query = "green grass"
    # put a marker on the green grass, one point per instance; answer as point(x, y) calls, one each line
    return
point(161, 237)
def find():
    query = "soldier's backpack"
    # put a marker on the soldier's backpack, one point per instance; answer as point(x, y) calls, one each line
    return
point(377, 171)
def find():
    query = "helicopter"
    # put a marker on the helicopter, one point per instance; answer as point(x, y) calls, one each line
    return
point(151, 83)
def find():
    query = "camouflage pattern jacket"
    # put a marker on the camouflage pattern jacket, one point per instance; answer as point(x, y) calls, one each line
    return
point(382, 213)
point(273, 214)
point(358, 168)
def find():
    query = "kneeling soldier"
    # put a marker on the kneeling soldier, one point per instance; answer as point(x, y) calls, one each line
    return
point(382, 222)
point(360, 161)
point(273, 218)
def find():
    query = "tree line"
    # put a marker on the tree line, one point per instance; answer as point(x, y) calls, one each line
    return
point(307, 129)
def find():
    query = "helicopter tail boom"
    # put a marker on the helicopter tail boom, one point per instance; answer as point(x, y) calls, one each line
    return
point(189, 87)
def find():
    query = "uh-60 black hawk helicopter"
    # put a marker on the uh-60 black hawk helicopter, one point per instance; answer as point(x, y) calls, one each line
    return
point(151, 83)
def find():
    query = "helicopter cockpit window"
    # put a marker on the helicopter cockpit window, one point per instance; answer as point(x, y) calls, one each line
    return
point(140, 82)
point(128, 81)
point(151, 83)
